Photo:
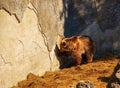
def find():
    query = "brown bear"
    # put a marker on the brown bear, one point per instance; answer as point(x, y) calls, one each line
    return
point(77, 47)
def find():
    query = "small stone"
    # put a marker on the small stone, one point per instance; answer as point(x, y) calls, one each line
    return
point(118, 74)
point(84, 84)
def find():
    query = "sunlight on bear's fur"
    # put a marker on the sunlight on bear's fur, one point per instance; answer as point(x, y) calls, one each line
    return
point(78, 47)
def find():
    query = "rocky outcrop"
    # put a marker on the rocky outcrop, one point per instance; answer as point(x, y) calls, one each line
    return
point(47, 12)
point(28, 34)
point(114, 81)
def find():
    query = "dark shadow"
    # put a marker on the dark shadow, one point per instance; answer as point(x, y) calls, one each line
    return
point(78, 15)
point(67, 61)
point(105, 57)
point(109, 15)
point(104, 79)
point(64, 59)
point(113, 79)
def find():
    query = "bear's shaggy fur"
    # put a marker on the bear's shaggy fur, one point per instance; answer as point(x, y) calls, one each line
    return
point(78, 47)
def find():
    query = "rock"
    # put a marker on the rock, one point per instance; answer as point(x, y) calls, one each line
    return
point(16, 8)
point(28, 35)
point(118, 74)
point(114, 81)
point(84, 84)
point(114, 85)
point(48, 13)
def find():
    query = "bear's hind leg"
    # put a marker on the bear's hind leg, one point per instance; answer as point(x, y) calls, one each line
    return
point(89, 56)
point(78, 60)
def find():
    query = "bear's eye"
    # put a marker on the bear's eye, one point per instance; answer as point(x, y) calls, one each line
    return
point(63, 43)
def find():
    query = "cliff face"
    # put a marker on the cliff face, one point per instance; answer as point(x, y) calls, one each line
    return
point(29, 30)
point(28, 34)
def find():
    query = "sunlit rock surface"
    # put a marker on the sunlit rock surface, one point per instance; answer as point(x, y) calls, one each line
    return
point(28, 34)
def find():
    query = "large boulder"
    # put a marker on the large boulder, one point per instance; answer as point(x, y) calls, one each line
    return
point(28, 35)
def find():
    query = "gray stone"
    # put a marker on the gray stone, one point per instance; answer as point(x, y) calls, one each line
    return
point(84, 84)
point(118, 74)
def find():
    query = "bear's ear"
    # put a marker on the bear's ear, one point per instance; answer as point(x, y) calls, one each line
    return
point(59, 40)
point(61, 37)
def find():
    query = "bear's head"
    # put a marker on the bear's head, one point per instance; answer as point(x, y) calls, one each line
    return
point(67, 44)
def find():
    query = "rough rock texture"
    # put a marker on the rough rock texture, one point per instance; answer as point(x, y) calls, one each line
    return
point(48, 13)
point(14, 7)
point(115, 78)
point(28, 34)
point(51, 25)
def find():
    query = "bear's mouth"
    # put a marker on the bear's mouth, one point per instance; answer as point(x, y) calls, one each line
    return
point(67, 49)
